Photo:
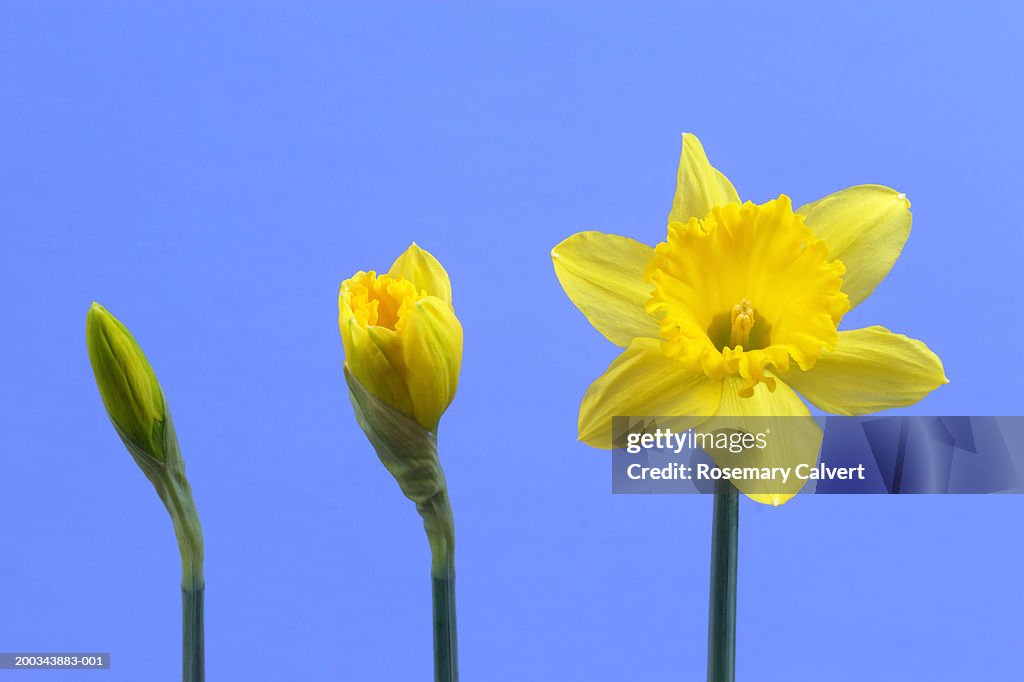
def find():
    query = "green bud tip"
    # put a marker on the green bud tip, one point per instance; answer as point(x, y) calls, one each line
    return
point(127, 383)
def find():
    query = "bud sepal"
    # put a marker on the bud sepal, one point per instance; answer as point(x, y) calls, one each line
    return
point(409, 452)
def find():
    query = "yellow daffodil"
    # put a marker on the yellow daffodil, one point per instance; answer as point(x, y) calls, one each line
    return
point(739, 309)
point(403, 353)
point(402, 340)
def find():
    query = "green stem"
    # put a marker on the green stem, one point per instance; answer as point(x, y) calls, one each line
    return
point(440, 527)
point(174, 490)
point(722, 608)
point(446, 654)
point(193, 654)
point(168, 478)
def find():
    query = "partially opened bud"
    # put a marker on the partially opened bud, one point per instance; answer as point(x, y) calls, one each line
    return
point(403, 352)
point(402, 340)
point(128, 386)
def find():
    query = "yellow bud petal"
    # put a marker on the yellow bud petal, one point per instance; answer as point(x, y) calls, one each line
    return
point(366, 359)
point(127, 383)
point(421, 268)
point(432, 346)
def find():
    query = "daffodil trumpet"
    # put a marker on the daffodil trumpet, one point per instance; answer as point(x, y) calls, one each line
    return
point(403, 353)
point(736, 314)
point(138, 411)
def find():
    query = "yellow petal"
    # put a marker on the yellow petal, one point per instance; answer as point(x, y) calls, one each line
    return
point(871, 369)
point(699, 186)
point(865, 227)
point(792, 440)
point(432, 347)
point(603, 274)
point(642, 381)
point(421, 268)
point(369, 364)
point(390, 344)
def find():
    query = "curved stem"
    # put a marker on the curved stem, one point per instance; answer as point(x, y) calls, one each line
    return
point(722, 608)
point(177, 497)
point(168, 478)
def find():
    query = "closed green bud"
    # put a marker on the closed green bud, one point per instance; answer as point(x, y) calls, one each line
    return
point(127, 383)
point(139, 413)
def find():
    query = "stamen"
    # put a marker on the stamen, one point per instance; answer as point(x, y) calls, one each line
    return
point(742, 322)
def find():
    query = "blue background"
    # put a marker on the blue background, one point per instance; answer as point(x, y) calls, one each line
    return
point(211, 173)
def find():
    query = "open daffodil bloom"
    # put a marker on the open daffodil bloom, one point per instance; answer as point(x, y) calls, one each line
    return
point(741, 304)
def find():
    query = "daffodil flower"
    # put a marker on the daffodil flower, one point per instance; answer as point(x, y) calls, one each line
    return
point(403, 354)
point(739, 309)
point(402, 339)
